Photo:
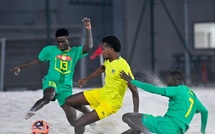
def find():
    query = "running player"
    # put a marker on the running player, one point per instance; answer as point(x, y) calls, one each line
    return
point(183, 104)
point(107, 99)
point(58, 83)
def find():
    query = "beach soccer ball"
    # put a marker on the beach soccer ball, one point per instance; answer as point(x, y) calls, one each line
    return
point(40, 127)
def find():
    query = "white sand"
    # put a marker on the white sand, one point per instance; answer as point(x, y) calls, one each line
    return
point(14, 106)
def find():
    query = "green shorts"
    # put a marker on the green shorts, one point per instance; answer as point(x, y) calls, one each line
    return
point(62, 91)
point(160, 125)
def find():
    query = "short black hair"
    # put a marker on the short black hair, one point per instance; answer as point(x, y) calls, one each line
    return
point(113, 42)
point(61, 32)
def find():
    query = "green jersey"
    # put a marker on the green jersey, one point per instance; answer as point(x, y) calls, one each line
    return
point(183, 103)
point(61, 63)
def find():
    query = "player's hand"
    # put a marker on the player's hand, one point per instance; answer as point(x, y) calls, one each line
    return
point(16, 70)
point(87, 23)
point(82, 82)
point(124, 76)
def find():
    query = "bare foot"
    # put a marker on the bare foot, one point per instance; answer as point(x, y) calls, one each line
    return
point(29, 114)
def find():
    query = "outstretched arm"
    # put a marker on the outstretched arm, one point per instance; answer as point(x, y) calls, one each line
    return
point(145, 86)
point(135, 96)
point(89, 39)
point(98, 71)
point(18, 68)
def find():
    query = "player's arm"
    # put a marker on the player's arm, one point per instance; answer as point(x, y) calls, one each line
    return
point(204, 116)
point(89, 38)
point(97, 72)
point(18, 68)
point(149, 87)
point(135, 96)
point(145, 86)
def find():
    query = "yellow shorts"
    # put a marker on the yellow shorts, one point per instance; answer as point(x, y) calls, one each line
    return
point(102, 108)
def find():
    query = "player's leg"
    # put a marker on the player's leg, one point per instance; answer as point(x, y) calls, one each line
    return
point(48, 95)
point(78, 101)
point(71, 104)
point(70, 113)
point(84, 120)
point(134, 121)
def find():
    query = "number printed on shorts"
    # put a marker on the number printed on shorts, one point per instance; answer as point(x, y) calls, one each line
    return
point(53, 84)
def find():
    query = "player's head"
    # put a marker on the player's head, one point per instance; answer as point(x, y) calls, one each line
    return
point(40, 127)
point(113, 42)
point(110, 44)
point(62, 35)
point(175, 78)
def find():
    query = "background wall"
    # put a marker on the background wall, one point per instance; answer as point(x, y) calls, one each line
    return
point(152, 35)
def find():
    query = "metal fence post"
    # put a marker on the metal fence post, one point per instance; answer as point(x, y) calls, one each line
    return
point(2, 64)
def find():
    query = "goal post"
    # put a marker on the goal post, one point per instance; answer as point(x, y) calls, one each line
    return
point(3, 42)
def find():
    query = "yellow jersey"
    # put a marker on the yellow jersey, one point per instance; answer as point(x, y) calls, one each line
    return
point(114, 89)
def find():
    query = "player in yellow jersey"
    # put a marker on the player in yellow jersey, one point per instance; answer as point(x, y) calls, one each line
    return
point(107, 99)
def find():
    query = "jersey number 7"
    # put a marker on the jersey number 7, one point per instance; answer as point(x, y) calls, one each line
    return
point(190, 108)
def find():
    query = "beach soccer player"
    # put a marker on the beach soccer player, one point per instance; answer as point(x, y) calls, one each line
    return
point(58, 83)
point(183, 105)
point(109, 98)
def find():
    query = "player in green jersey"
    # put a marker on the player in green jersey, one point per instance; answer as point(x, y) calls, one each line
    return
point(183, 105)
point(58, 82)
